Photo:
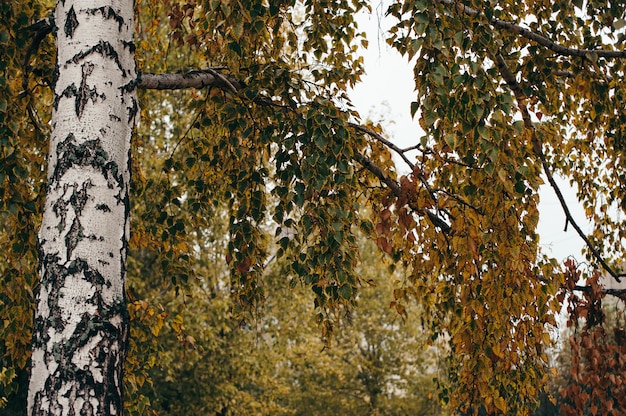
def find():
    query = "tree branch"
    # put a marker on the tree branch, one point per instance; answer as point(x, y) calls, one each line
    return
point(397, 191)
point(530, 35)
point(618, 293)
point(509, 78)
point(395, 148)
point(41, 29)
point(384, 141)
point(192, 79)
point(212, 78)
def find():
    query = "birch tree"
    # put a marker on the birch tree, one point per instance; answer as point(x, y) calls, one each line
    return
point(81, 323)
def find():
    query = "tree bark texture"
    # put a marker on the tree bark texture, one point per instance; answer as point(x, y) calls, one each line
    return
point(81, 322)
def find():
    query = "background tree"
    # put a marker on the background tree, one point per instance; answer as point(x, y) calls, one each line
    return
point(590, 375)
point(377, 364)
point(506, 93)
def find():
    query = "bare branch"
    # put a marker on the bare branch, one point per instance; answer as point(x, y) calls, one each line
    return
point(508, 76)
point(530, 35)
point(408, 149)
point(192, 79)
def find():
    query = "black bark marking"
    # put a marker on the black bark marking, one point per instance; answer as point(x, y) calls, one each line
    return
point(88, 153)
point(93, 276)
point(73, 236)
point(132, 110)
point(60, 209)
point(127, 88)
point(125, 245)
point(69, 91)
point(78, 200)
point(83, 382)
point(79, 197)
point(84, 92)
point(71, 23)
point(104, 49)
point(108, 13)
point(130, 45)
point(81, 94)
point(53, 279)
point(103, 208)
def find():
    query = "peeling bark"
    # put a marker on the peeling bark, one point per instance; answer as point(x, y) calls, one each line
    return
point(81, 323)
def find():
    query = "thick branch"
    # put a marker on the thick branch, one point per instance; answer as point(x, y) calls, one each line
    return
point(508, 76)
point(530, 35)
point(192, 79)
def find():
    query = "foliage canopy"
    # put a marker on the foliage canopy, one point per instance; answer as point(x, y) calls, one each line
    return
point(507, 93)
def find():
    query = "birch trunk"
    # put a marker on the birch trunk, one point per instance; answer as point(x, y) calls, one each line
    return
point(81, 324)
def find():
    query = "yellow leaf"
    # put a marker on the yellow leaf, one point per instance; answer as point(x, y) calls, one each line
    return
point(500, 404)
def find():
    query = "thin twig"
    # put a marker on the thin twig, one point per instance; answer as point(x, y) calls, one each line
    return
point(460, 200)
point(34, 118)
point(408, 149)
point(509, 78)
point(396, 149)
point(384, 141)
point(224, 80)
point(397, 191)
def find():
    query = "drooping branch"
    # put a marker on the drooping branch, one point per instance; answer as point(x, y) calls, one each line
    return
point(509, 78)
point(400, 152)
point(397, 191)
point(535, 37)
point(213, 78)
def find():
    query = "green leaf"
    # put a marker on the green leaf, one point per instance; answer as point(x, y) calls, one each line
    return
point(619, 24)
point(450, 140)
point(414, 107)
point(320, 141)
point(235, 47)
point(345, 291)
point(238, 30)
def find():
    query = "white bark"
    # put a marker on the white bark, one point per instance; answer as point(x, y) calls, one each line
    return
point(81, 325)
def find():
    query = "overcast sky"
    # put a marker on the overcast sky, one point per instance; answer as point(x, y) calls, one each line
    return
point(385, 95)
